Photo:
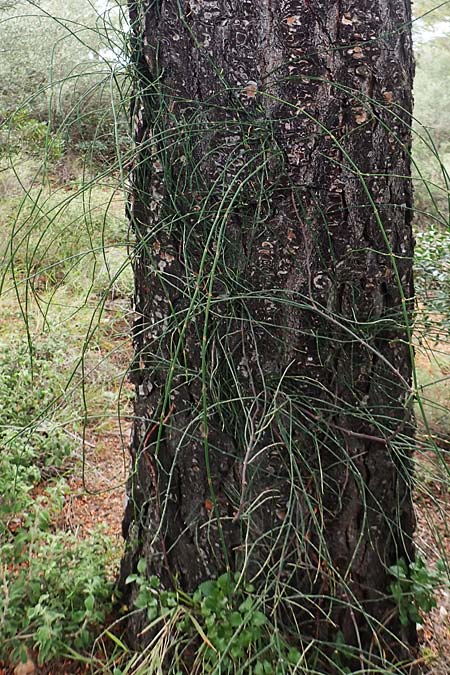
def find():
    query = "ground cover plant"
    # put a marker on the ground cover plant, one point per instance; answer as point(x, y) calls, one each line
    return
point(64, 267)
point(65, 353)
point(47, 403)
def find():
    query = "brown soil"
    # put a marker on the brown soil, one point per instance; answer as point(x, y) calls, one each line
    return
point(97, 492)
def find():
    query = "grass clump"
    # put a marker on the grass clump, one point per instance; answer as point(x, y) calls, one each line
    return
point(69, 238)
point(223, 627)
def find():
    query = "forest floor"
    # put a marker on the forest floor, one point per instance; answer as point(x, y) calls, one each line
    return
point(99, 495)
point(432, 497)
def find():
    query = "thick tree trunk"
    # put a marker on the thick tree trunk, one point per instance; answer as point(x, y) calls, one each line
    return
point(271, 204)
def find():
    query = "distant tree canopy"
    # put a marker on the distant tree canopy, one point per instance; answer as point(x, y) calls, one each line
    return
point(431, 11)
point(56, 62)
point(432, 100)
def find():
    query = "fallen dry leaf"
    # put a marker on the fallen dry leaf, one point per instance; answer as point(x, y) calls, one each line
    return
point(27, 668)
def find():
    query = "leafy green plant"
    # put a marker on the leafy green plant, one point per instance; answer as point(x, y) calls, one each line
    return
point(34, 447)
point(67, 82)
point(223, 618)
point(432, 272)
point(56, 588)
point(23, 132)
point(414, 587)
point(233, 623)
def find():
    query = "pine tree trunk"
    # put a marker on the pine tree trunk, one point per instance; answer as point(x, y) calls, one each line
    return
point(271, 203)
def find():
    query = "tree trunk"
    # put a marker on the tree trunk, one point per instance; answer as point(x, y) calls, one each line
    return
point(271, 203)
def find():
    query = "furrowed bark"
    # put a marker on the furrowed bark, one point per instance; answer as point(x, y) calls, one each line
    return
point(271, 203)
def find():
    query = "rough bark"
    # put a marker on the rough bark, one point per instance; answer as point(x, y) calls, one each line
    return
point(271, 204)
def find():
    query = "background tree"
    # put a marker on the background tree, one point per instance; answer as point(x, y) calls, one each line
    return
point(68, 85)
point(431, 147)
point(271, 203)
point(431, 152)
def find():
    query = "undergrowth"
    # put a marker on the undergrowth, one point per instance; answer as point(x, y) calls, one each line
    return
point(221, 627)
point(432, 264)
point(35, 445)
point(56, 590)
point(67, 237)
point(65, 282)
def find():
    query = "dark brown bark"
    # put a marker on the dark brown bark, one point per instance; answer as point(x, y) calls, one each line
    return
point(271, 203)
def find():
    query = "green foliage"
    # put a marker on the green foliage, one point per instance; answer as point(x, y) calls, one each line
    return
point(55, 588)
point(22, 132)
point(224, 623)
point(414, 587)
point(71, 82)
point(29, 386)
point(56, 591)
point(233, 623)
point(432, 267)
point(223, 615)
